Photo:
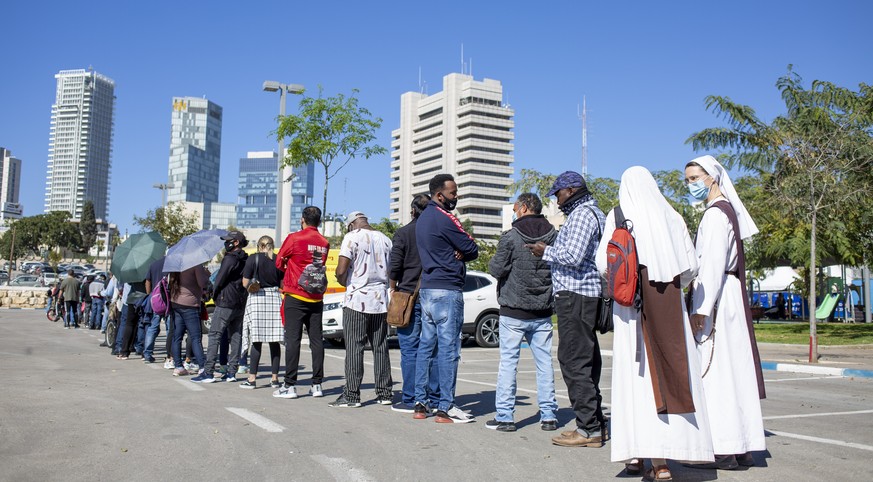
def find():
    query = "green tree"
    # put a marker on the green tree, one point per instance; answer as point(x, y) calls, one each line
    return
point(487, 250)
point(386, 227)
point(672, 186)
point(88, 226)
point(820, 154)
point(604, 189)
point(173, 222)
point(329, 131)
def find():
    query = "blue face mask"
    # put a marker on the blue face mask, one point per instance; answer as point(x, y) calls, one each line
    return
point(698, 190)
point(514, 217)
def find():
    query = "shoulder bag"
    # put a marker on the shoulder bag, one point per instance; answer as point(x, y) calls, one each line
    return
point(400, 307)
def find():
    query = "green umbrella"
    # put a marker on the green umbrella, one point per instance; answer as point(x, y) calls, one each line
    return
point(130, 263)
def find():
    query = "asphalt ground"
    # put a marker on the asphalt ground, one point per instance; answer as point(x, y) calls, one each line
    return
point(70, 411)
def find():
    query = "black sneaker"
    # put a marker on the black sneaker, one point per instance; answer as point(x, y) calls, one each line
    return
point(549, 425)
point(248, 385)
point(500, 426)
point(341, 402)
point(150, 359)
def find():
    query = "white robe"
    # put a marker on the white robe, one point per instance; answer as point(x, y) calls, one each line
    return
point(637, 430)
point(731, 385)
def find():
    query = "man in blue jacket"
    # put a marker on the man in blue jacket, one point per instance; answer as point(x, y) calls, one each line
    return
point(443, 247)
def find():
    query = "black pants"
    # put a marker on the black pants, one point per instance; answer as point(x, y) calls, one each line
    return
point(579, 357)
point(255, 357)
point(128, 339)
point(358, 329)
point(297, 315)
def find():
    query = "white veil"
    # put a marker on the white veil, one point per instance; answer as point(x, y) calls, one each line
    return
point(717, 171)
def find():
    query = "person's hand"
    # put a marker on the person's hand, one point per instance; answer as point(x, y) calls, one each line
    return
point(459, 256)
point(537, 249)
point(697, 322)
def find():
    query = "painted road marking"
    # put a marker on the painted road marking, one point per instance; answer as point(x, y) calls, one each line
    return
point(826, 414)
point(821, 440)
point(801, 378)
point(189, 385)
point(341, 469)
point(259, 420)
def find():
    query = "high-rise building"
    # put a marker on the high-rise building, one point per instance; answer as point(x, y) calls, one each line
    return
point(195, 150)
point(10, 182)
point(466, 131)
point(80, 145)
point(256, 202)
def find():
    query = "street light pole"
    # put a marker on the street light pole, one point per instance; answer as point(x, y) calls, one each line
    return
point(284, 198)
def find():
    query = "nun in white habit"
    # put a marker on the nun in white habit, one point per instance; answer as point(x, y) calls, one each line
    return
point(658, 406)
point(721, 319)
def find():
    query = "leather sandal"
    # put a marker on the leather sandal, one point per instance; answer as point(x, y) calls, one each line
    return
point(659, 473)
point(634, 467)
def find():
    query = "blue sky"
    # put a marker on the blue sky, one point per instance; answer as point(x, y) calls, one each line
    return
point(645, 68)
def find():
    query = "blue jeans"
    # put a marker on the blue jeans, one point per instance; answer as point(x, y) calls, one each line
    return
point(106, 309)
point(48, 304)
point(119, 334)
point(152, 330)
point(409, 337)
point(442, 314)
point(187, 319)
point(538, 334)
point(96, 311)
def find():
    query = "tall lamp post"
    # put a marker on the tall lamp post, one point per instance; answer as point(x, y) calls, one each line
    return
point(283, 189)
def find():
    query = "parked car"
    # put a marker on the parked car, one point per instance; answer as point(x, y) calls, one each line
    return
point(4, 275)
point(30, 266)
point(332, 318)
point(48, 278)
point(25, 280)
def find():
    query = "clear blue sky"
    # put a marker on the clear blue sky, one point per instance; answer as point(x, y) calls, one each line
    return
point(645, 68)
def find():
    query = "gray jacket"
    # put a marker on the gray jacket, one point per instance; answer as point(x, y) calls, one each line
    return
point(524, 281)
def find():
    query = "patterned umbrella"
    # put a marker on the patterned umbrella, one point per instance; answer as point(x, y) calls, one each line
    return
point(194, 249)
point(130, 263)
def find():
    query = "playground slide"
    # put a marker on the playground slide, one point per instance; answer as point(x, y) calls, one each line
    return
point(827, 306)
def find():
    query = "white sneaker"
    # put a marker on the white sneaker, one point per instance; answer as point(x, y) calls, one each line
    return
point(286, 391)
point(454, 415)
point(168, 364)
point(315, 390)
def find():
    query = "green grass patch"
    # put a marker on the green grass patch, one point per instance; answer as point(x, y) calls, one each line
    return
point(828, 333)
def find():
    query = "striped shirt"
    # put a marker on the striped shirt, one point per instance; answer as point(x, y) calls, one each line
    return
point(571, 256)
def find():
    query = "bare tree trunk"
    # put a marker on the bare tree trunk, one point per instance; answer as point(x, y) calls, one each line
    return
point(813, 336)
point(324, 199)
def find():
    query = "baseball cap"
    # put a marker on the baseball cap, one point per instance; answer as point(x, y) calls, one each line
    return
point(236, 236)
point(354, 215)
point(565, 180)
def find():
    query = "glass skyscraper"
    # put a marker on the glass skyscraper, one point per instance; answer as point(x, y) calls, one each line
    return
point(195, 150)
point(80, 143)
point(256, 203)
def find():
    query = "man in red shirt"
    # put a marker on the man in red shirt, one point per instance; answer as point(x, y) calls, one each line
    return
point(300, 307)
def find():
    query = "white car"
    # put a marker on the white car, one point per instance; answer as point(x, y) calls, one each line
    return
point(48, 279)
point(481, 312)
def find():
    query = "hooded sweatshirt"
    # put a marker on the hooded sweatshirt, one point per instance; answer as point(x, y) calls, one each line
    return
point(524, 281)
point(228, 290)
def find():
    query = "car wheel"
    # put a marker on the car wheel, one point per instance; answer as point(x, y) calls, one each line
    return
point(488, 331)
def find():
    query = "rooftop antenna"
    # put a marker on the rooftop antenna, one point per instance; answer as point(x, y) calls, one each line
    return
point(471, 66)
point(583, 116)
point(463, 64)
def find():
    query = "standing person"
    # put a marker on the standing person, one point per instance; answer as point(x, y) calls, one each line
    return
point(524, 292)
point(733, 382)
point(130, 317)
point(186, 292)
point(263, 313)
point(404, 273)
point(151, 323)
point(85, 298)
point(97, 301)
point(443, 247)
point(70, 286)
point(108, 295)
point(230, 301)
point(49, 294)
point(658, 405)
point(301, 307)
point(363, 269)
point(577, 286)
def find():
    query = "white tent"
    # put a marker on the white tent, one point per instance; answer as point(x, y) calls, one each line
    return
point(777, 279)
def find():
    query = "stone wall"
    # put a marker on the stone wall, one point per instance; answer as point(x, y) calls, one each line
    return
point(22, 297)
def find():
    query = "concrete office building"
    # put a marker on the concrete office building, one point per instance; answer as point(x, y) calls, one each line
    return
point(256, 202)
point(466, 131)
point(10, 184)
point(80, 143)
point(195, 150)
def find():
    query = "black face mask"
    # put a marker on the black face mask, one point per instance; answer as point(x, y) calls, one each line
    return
point(228, 245)
point(449, 204)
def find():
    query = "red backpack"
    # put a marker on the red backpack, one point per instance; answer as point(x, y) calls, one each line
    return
point(622, 271)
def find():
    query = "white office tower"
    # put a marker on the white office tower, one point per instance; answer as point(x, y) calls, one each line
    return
point(465, 131)
point(10, 185)
point(80, 145)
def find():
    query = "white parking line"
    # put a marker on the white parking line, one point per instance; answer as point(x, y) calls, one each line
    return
point(802, 378)
point(259, 420)
point(821, 440)
point(341, 469)
point(826, 414)
point(189, 385)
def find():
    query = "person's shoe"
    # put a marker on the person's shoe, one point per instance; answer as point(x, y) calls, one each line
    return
point(180, 372)
point(341, 402)
point(576, 439)
point(604, 431)
point(453, 415)
point(168, 364)
point(746, 459)
point(315, 391)
point(222, 369)
point(420, 411)
point(103, 344)
point(722, 462)
point(549, 425)
point(66, 327)
point(218, 376)
point(230, 379)
point(493, 424)
point(192, 367)
point(150, 359)
point(275, 384)
point(403, 407)
point(286, 391)
point(205, 378)
point(248, 384)
point(242, 370)
point(102, 332)
point(384, 401)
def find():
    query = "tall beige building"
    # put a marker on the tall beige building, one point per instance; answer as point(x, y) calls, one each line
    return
point(466, 131)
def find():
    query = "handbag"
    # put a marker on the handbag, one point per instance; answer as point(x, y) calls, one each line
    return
point(401, 306)
point(254, 285)
point(604, 323)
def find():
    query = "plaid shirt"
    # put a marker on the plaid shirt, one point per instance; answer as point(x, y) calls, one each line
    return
point(572, 255)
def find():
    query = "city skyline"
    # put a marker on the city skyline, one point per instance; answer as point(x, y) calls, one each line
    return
point(256, 190)
point(645, 72)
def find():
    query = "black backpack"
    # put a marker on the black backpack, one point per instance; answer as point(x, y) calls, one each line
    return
point(314, 277)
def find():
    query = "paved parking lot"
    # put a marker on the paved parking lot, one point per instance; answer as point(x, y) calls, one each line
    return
point(73, 412)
